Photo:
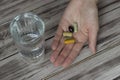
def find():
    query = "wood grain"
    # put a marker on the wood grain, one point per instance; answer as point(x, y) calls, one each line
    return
point(102, 66)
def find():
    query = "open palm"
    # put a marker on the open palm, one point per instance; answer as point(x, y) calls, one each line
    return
point(85, 14)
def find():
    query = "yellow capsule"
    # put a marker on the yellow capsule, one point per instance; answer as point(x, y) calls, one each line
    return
point(69, 41)
point(75, 26)
point(67, 34)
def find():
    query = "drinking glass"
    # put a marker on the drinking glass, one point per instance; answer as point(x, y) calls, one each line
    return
point(27, 30)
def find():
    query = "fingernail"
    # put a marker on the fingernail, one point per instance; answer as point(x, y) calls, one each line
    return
point(64, 65)
point(53, 48)
point(94, 50)
point(52, 59)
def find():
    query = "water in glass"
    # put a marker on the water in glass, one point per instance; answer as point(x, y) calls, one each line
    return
point(27, 31)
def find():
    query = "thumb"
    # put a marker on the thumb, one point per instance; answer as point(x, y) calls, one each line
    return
point(93, 38)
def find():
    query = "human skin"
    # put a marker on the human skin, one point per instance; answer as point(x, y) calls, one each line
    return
point(85, 14)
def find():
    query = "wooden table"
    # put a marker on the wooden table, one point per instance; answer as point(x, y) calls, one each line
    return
point(105, 65)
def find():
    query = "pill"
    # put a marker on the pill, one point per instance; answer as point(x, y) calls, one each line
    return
point(67, 34)
point(75, 26)
point(69, 41)
point(71, 29)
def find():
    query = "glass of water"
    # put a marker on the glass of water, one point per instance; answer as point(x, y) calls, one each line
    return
point(27, 30)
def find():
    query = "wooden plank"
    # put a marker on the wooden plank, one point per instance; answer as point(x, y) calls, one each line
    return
point(117, 78)
point(8, 11)
point(103, 3)
point(50, 20)
point(38, 72)
point(111, 74)
point(13, 67)
point(110, 7)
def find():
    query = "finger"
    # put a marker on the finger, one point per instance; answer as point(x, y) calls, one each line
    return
point(74, 53)
point(57, 51)
point(57, 38)
point(93, 30)
point(93, 38)
point(65, 52)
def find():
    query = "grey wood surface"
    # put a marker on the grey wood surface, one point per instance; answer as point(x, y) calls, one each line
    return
point(105, 65)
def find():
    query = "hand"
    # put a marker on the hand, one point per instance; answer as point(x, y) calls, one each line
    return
point(85, 13)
